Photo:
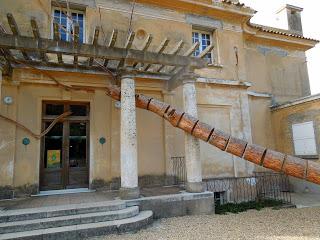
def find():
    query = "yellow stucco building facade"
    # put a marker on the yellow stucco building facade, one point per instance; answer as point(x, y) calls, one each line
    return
point(250, 68)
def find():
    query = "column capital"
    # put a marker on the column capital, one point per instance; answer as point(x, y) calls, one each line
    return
point(189, 77)
point(127, 72)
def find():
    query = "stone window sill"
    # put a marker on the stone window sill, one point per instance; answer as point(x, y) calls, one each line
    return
point(215, 65)
point(309, 157)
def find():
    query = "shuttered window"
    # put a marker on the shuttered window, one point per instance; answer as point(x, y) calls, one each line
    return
point(304, 139)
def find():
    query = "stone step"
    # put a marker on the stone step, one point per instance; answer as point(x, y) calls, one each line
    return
point(82, 231)
point(57, 211)
point(53, 222)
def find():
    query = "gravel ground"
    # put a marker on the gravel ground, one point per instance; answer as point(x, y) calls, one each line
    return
point(293, 224)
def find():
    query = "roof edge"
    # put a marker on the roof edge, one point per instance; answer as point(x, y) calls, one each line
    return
point(279, 31)
point(310, 98)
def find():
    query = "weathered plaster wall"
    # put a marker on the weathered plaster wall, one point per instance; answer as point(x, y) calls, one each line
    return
point(227, 109)
point(229, 54)
point(277, 71)
point(284, 118)
point(20, 164)
point(262, 131)
point(282, 121)
point(224, 107)
point(261, 124)
point(7, 133)
point(280, 73)
point(23, 13)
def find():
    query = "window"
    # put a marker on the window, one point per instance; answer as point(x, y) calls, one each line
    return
point(304, 139)
point(66, 22)
point(205, 40)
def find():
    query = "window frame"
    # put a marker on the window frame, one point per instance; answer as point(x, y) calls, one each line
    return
point(313, 155)
point(208, 32)
point(68, 21)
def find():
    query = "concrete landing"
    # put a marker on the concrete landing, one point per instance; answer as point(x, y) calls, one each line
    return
point(58, 200)
point(303, 200)
point(42, 200)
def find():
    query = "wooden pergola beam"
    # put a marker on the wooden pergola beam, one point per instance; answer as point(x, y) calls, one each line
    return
point(36, 34)
point(206, 51)
point(15, 30)
point(192, 49)
point(55, 46)
point(94, 43)
point(174, 51)
point(56, 37)
point(76, 41)
point(111, 44)
point(176, 80)
point(67, 67)
point(127, 46)
point(188, 53)
point(160, 50)
point(5, 52)
point(145, 47)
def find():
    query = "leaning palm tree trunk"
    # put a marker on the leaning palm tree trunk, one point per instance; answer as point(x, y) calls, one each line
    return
point(256, 154)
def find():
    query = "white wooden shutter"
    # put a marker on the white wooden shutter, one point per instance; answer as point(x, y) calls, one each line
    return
point(304, 139)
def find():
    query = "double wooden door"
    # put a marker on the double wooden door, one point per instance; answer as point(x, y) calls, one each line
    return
point(65, 148)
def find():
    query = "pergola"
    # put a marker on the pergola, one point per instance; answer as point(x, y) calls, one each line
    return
point(53, 54)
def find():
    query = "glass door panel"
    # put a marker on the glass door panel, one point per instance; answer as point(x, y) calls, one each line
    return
point(78, 145)
point(53, 157)
point(53, 147)
point(78, 167)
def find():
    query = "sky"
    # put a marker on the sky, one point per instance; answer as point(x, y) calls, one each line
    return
point(310, 23)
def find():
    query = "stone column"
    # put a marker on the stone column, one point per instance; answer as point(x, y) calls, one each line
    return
point(191, 144)
point(168, 136)
point(128, 139)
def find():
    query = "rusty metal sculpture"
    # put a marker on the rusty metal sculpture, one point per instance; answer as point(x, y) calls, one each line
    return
point(276, 161)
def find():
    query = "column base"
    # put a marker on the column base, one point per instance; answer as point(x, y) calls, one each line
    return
point(129, 193)
point(195, 187)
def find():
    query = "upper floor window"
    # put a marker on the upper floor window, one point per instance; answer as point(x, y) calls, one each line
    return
point(66, 20)
point(205, 40)
point(304, 139)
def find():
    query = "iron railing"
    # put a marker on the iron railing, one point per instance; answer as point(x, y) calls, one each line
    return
point(179, 172)
point(262, 185)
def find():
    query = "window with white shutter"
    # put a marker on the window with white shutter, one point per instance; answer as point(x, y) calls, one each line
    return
point(304, 139)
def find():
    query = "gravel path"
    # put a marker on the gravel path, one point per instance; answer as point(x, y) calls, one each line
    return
point(293, 224)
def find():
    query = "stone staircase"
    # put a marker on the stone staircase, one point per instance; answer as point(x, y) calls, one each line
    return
point(73, 221)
